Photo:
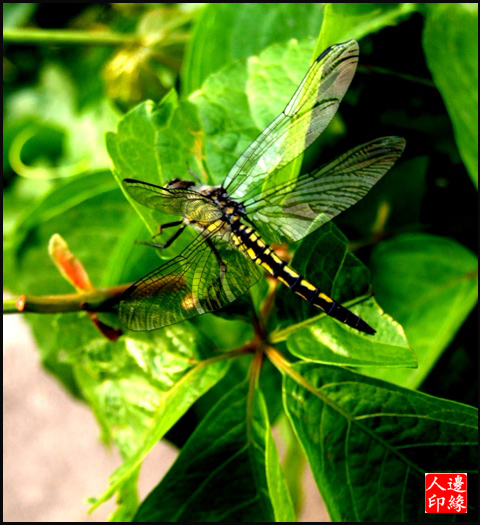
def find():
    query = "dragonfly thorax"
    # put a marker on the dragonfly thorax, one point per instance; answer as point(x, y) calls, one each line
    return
point(231, 208)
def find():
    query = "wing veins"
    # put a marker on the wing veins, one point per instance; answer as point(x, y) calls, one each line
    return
point(190, 284)
point(326, 191)
point(306, 115)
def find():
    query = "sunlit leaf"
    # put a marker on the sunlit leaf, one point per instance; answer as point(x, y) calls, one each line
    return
point(369, 443)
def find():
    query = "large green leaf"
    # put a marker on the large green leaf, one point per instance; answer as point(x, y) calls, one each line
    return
point(225, 33)
point(227, 471)
point(154, 141)
point(369, 443)
point(451, 48)
point(141, 386)
point(429, 285)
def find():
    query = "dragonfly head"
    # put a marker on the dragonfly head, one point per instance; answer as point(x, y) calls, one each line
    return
point(177, 184)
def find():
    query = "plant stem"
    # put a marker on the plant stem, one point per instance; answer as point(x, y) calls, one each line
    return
point(75, 302)
point(65, 37)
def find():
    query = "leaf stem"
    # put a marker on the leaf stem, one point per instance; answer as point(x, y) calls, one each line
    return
point(285, 367)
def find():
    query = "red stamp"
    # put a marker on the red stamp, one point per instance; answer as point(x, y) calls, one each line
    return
point(445, 493)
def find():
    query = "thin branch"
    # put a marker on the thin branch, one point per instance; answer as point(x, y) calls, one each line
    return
point(94, 301)
point(67, 37)
point(402, 76)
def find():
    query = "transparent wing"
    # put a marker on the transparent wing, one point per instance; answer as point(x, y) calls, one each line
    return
point(179, 202)
point(307, 114)
point(290, 211)
point(209, 274)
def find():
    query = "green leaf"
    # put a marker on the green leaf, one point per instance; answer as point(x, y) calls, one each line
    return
point(227, 471)
point(16, 14)
point(325, 259)
point(343, 21)
point(220, 37)
point(141, 386)
point(429, 285)
point(71, 209)
point(237, 102)
point(326, 341)
point(153, 143)
point(369, 443)
point(451, 48)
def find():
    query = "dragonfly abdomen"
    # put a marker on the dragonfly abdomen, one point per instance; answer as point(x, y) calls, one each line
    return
point(250, 242)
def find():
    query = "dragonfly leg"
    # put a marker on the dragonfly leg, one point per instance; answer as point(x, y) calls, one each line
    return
point(221, 264)
point(222, 267)
point(165, 226)
point(172, 238)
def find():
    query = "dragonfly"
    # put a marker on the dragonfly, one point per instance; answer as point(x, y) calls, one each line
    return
point(238, 221)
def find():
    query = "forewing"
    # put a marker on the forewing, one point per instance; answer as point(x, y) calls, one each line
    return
point(290, 211)
point(208, 275)
point(307, 114)
point(179, 202)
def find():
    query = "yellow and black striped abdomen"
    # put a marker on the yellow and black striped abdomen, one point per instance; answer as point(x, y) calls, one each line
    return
point(249, 241)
